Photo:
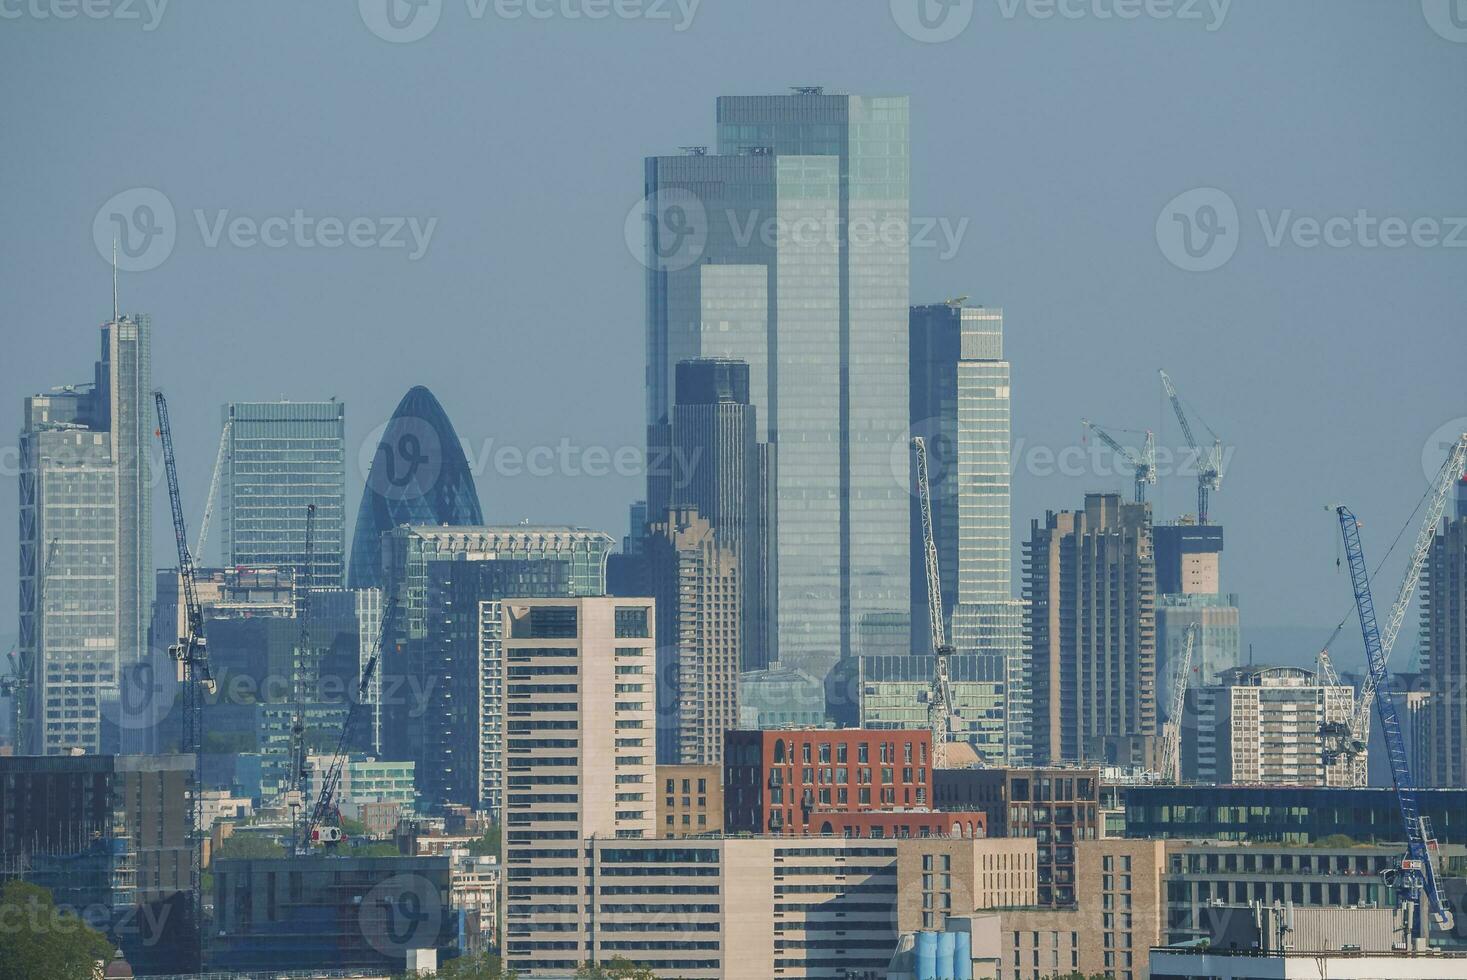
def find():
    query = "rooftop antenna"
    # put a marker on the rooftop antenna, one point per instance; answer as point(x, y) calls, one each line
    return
point(114, 280)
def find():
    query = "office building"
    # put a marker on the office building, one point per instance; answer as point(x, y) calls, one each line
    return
point(86, 565)
point(707, 458)
point(780, 697)
point(1444, 650)
point(886, 692)
point(280, 458)
point(419, 475)
point(453, 727)
point(350, 914)
point(697, 582)
point(364, 780)
point(580, 744)
point(1265, 725)
point(1056, 807)
point(1091, 631)
point(1217, 649)
point(689, 800)
point(1188, 558)
point(1285, 814)
point(791, 277)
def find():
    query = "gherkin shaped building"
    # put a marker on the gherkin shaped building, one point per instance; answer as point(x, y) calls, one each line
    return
point(419, 475)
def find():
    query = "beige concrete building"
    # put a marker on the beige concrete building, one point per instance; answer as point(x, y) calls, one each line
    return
point(579, 744)
point(689, 800)
point(941, 877)
point(1263, 725)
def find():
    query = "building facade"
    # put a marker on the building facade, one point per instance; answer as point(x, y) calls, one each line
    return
point(794, 781)
point(280, 458)
point(1090, 627)
point(86, 564)
point(815, 302)
point(707, 458)
point(698, 584)
point(1217, 649)
point(1057, 808)
point(419, 475)
point(1444, 650)
point(580, 734)
point(689, 800)
point(1265, 725)
point(887, 692)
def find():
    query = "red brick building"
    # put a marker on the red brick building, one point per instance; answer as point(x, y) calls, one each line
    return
point(844, 782)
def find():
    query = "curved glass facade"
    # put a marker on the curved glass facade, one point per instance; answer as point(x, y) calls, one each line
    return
point(419, 475)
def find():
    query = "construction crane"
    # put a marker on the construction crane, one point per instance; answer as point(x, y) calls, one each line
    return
point(193, 662)
point(213, 498)
point(1416, 874)
point(1356, 741)
point(17, 684)
point(303, 582)
point(1143, 463)
point(1171, 740)
point(939, 695)
point(327, 806)
point(1209, 463)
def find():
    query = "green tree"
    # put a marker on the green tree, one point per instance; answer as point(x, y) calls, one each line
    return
point(616, 968)
point(245, 847)
point(38, 941)
point(488, 845)
point(484, 966)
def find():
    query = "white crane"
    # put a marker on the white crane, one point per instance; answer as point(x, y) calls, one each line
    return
point(208, 519)
point(939, 695)
point(1358, 742)
point(1209, 463)
point(1171, 739)
point(1143, 463)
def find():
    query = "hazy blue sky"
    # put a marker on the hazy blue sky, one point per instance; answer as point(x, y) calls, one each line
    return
point(1058, 140)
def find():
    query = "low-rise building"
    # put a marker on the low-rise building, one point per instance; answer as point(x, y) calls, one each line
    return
point(476, 881)
point(689, 800)
point(1056, 806)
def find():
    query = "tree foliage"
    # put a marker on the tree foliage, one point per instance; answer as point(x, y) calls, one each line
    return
point(39, 941)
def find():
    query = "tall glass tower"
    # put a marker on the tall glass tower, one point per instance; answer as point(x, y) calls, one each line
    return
point(788, 249)
point(281, 457)
point(86, 576)
point(960, 404)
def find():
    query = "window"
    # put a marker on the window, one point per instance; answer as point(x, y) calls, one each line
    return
point(631, 621)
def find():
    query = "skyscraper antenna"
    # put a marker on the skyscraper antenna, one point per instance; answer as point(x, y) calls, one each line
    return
point(114, 280)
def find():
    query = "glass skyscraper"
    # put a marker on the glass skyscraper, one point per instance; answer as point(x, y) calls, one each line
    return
point(86, 576)
point(788, 249)
point(960, 405)
point(281, 457)
point(419, 476)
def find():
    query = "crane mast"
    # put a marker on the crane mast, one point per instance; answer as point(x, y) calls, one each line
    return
point(304, 580)
point(193, 661)
point(939, 696)
point(1416, 878)
point(213, 498)
point(1144, 463)
point(1209, 463)
point(326, 805)
point(1171, 743)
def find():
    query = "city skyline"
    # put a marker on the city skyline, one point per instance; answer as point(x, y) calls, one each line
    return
point(1089, 257)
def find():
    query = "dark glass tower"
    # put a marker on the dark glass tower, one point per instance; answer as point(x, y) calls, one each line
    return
point(419, 475)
